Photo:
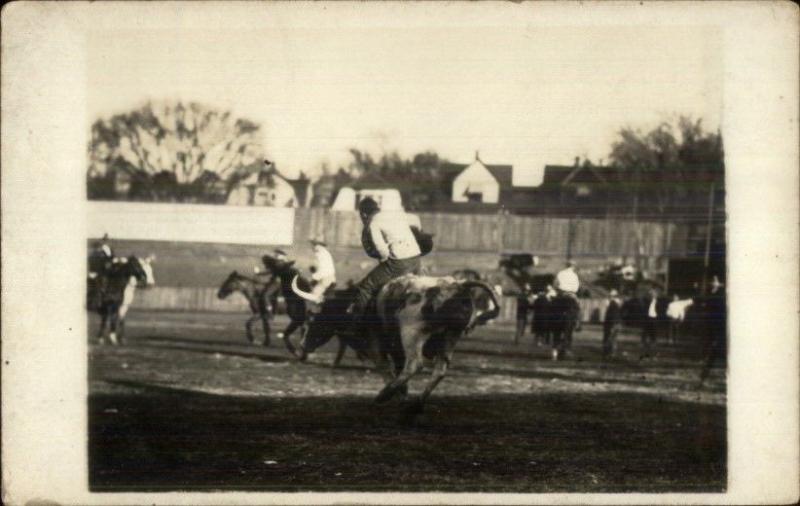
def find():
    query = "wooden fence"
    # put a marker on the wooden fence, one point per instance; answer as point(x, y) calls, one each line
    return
point(495, 233)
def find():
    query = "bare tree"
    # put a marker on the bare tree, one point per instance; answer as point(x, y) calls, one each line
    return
point(190, 142)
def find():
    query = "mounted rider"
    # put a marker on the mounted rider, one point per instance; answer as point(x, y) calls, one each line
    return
point(389, 238)
point(100, 261)
point(323, 272)
point(567, 283)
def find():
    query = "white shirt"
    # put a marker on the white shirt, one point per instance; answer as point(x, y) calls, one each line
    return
point(651, 313)
point(567, 281)
point(392, 236)
point(324, 264)
point(677, 309)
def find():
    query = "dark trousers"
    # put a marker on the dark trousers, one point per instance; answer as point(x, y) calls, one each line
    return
point(379, 276)
point(610, 331)
point(649, 332)
point(522, 322)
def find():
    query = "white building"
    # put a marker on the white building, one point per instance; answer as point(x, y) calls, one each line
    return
point(482, 183)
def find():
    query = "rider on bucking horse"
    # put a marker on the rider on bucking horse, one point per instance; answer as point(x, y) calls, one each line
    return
point(389, 238)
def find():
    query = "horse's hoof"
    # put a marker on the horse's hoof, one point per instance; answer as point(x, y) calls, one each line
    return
point(384, 396)
point(414, 408)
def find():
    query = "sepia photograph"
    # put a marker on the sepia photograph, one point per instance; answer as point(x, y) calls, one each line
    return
point(403, 247)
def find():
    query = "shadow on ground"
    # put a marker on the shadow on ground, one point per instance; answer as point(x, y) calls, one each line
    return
point(145, 438)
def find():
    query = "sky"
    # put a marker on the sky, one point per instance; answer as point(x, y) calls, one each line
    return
point(521, 95)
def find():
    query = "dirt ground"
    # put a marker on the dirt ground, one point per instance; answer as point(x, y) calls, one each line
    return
point(188, 404)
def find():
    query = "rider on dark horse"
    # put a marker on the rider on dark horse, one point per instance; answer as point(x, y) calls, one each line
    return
point(100, 261)
point(567, 285)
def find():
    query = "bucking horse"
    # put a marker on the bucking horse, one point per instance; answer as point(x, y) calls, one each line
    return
point(113, 289)
point(412, 319)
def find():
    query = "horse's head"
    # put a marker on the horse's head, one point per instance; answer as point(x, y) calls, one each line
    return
point(230, 285)
point(278, 266)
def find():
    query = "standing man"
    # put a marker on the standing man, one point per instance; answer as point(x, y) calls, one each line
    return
point(651, 320)
point(392, 242)
point(716, 317)
point(612, 324)
point(524, 303)
point(323, 271)
point(567, 281)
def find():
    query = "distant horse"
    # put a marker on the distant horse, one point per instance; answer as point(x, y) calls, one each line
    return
point(543, 323)
point(255, 292)
point(115, 288)
point(564, 312)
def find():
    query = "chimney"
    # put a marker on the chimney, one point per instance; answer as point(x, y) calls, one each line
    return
point(577, 161)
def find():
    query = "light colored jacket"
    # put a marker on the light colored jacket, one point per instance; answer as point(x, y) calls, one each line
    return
point(567, 281)
point(392, 236)
point(324, 263)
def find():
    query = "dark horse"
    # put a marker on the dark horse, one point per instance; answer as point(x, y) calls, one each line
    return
point(113, 293)
point(255, 292)
point(563, 312)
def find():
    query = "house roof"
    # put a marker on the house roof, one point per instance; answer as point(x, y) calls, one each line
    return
point(565, 174)
point(502, 173)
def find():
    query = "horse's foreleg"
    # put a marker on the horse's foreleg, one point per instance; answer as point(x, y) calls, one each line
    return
point(248, 326)
point(293, 325)
point(339, 353)
point(121, 330)
point(103, 319)
point(438, 374)
point(112, 335)
point(413, 364)
point(265, 324)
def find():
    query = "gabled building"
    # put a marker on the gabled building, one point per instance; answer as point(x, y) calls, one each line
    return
point(263, 185)
point(580, 190)
point(370, 185)
point(477, 183)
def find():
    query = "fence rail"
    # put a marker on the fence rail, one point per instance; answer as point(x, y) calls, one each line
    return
point(490, 233)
